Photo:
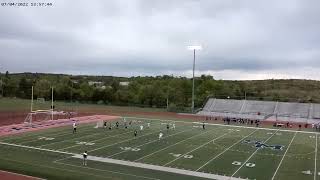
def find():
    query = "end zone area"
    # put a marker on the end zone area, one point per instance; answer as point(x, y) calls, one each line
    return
point(188, 151)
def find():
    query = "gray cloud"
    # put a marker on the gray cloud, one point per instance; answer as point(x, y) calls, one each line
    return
point(257, 39)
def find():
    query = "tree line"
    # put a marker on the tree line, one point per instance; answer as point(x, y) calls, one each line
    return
point(164, 91)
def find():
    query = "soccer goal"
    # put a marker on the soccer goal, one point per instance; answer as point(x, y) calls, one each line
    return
point(40, 109)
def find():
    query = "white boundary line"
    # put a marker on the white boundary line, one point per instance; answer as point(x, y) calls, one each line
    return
point(274, 175)
point(226, 150)
point(157, 168)
point(252, 155)
point(315, 159)
point(171, 145)
point(198, 147)
point(115, 172)
point(50, 167)
point(17, 174)
point(212, 124)
point(36, 148)
point(121, 162)
point(156, 140)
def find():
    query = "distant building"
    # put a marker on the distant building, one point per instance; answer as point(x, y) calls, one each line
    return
point(125, 83)
point(95, 83)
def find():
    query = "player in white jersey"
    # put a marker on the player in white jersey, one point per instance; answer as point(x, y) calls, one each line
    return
point(74, 125)
point(148, 125)
point(141, 128)
point(160, 135)
point(173, 126)
point(85, 155)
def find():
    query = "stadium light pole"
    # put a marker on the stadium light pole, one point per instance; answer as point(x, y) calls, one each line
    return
point(194, 48)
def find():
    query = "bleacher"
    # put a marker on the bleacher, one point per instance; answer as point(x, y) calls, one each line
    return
point(263, 110)
point(263, 107)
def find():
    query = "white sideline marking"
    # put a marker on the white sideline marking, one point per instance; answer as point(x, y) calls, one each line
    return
point(274, 175)
point(199, 147)
point(225, 150)
point(315, 159)
point(171, 145)
point(32, 177)
point(126, 163)
point(95, 140)
point(150, 142)
point(49, 167)
point(212, 124)
point(144, 177)
point(158, 168)
point(37, 148)
point(252, 155)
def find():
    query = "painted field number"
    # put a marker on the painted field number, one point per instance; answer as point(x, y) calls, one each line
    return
point(46, 138)
point(130, 149)
point(84, 143)
point(187, 156)
point(237, 163)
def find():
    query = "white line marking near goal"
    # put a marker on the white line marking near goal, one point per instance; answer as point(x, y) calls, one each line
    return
point(150, 142)
point(157, 168)
point(225, 150)
point(274, 175)
point(252, 155)
point(315, 159)
point(171, 145)
point(199, 147)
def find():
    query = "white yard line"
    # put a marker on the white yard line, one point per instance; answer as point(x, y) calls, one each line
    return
point(150, 142)
point(252, 154)
point(248, 127)
point(157, 168)
point(55, 136)
point(107, 137)
point(274, 175)
point(315, 159)
point(171, 146)
point(121, 141)
point(225, 150)
point(199, 147)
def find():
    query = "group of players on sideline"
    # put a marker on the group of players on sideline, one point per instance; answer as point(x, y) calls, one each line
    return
point(117, 124)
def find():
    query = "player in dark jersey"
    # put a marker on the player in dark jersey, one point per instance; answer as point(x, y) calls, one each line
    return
point(117, 124)
point(135, 133)
point(203, 126)
point(105, 124)
point(85, 155)
point(168, 127)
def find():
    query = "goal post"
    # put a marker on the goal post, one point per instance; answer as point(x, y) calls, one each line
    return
point(40, 109)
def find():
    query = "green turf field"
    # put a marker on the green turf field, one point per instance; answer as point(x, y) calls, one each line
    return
point(239, 152)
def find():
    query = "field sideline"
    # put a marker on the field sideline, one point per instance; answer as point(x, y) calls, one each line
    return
point(187, 152)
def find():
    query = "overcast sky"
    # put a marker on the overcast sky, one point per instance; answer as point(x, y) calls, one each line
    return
point(241, 39)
